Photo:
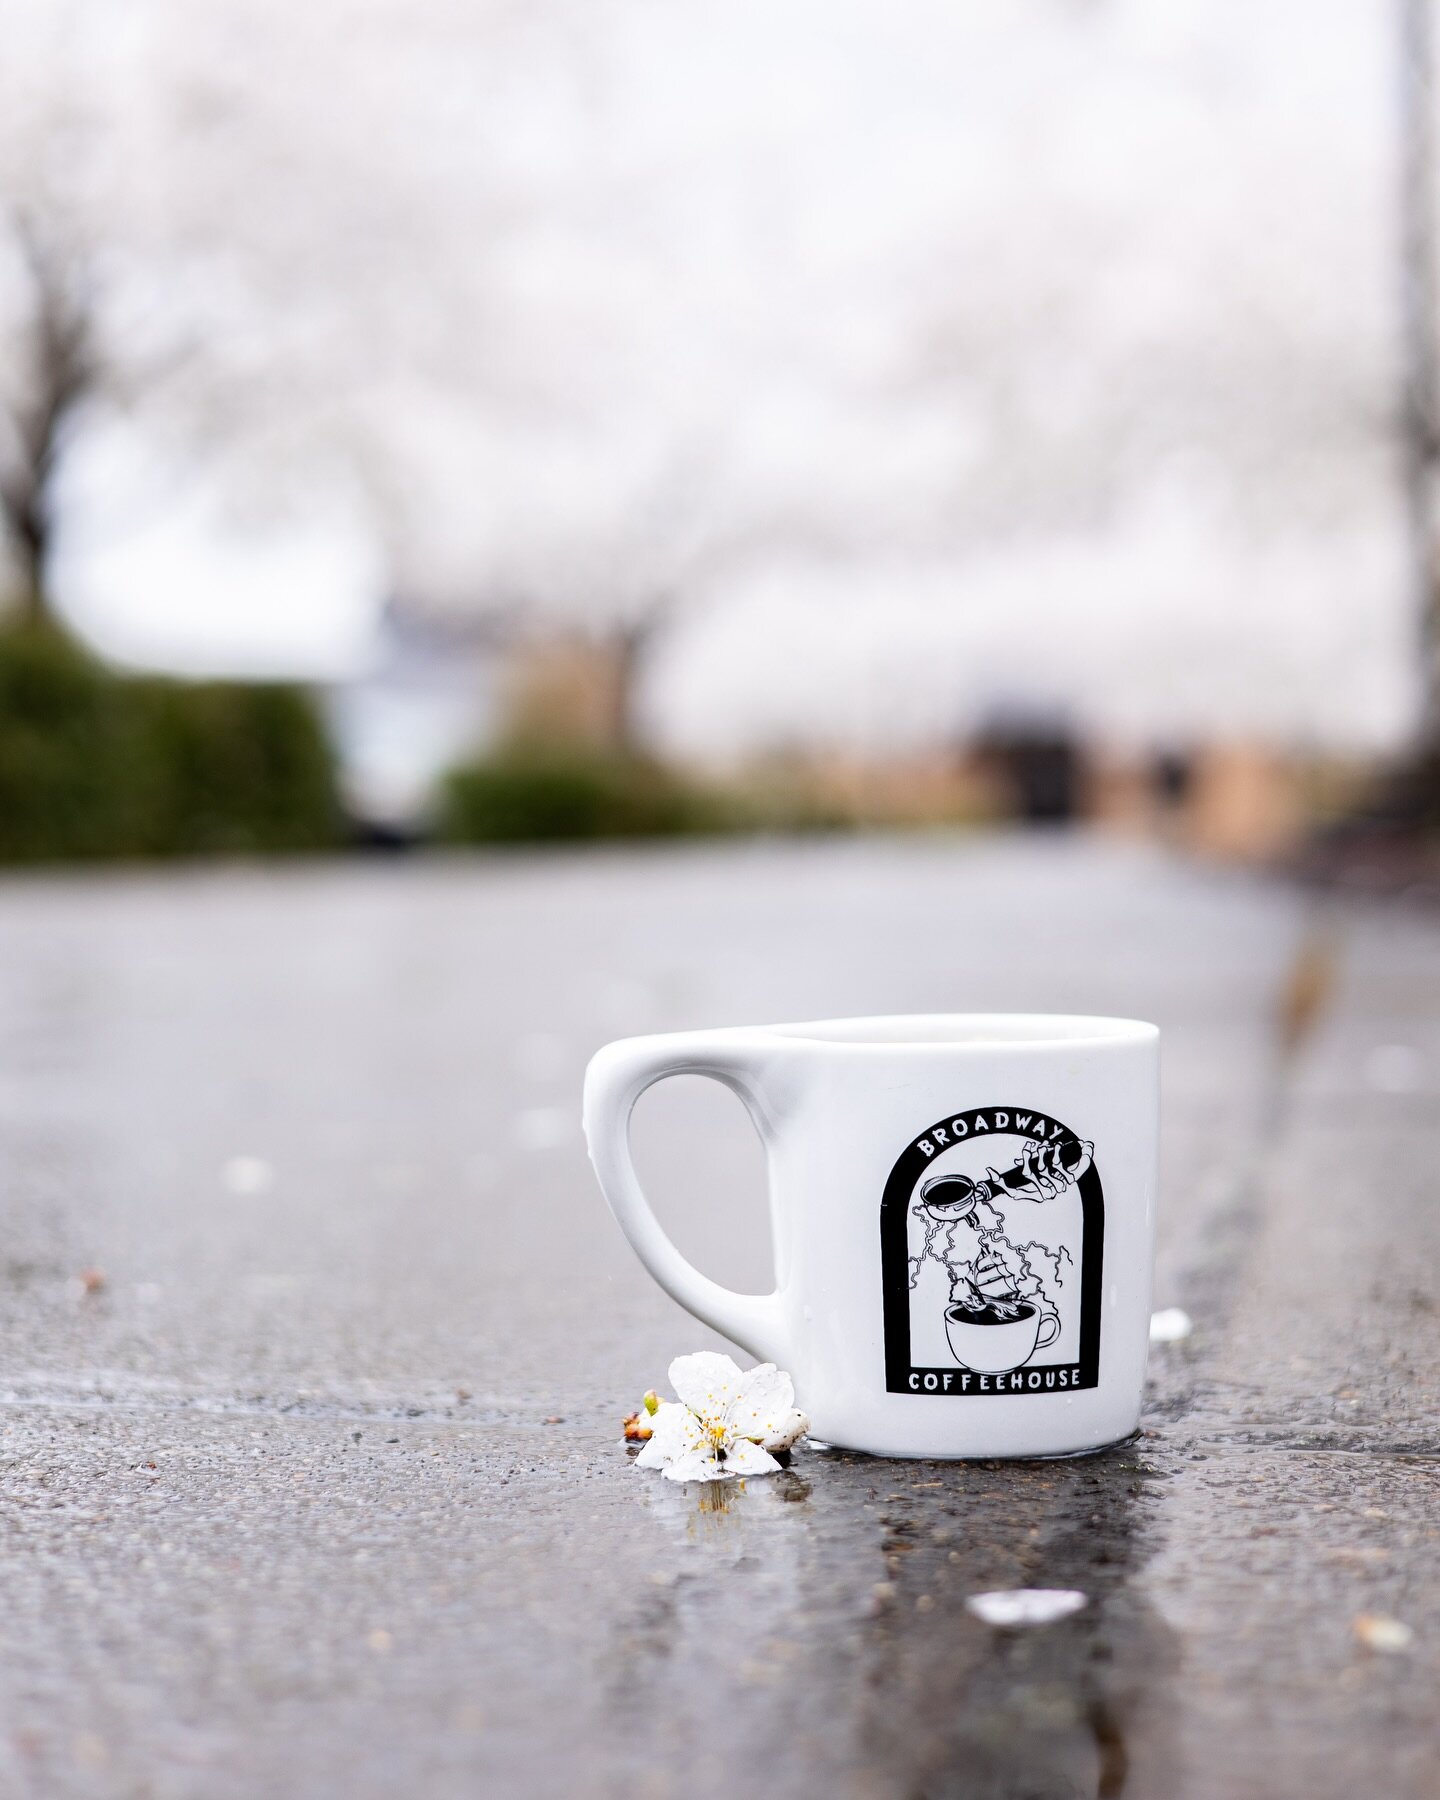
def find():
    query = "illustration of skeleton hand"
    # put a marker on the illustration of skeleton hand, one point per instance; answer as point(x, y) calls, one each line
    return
point(1045, 1170)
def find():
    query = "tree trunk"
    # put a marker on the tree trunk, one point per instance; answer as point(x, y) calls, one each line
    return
point(627, 661)
point(30, 533)
point(62, 372)
point(629, 648)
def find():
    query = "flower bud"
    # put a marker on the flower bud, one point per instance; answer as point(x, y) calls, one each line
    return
point(637, 1426)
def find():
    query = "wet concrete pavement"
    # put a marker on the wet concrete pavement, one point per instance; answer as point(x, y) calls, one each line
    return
point(320, 1494)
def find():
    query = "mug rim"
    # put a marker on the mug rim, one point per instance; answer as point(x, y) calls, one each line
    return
point(986, 1032)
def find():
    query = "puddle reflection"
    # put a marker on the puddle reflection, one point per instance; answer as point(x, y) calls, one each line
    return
point(820, 1614)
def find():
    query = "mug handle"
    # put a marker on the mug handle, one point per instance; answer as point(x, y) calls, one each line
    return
point(614, 1081)
point(1049, 1319)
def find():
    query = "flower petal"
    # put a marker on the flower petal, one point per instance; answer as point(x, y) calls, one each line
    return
point(1013, 1607)
point(675, 1432)
point(652, 1455)
point(676, 1429)
point(705, 1382)
point(765, 1396)
point(787, 1432)
point(697, 1466)
point(749, 1459)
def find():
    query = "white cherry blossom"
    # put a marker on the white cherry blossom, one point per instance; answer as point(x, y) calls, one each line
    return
point(724, 1422)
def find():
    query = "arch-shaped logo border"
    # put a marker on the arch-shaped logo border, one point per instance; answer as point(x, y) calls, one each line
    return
point(895, 1265)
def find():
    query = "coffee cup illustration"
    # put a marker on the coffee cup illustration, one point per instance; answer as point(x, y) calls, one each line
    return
point(994, 1339)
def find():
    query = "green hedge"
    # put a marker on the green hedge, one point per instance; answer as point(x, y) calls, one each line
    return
point(527, 795)
point(95, 764)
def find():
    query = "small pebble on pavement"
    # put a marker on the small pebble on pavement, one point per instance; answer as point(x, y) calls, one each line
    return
point(1377, 1632)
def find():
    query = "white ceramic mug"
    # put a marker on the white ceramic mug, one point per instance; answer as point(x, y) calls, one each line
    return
point(963, 1216)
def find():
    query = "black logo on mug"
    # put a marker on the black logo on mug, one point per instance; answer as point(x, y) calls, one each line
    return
point(992, 1234)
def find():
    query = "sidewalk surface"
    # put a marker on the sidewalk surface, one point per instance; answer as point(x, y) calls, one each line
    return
point(313, 1486)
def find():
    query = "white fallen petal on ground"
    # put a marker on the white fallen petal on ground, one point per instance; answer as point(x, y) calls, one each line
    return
point(1377, 1632)
point(1026, 1606)
point(1170, 1325)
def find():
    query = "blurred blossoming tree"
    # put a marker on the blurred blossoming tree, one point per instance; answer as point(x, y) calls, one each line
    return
point(892, 362)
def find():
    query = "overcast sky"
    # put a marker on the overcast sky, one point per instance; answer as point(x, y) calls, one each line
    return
point(942, 357)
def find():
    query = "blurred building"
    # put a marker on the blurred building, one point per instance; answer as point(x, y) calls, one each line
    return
point(431, 693)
